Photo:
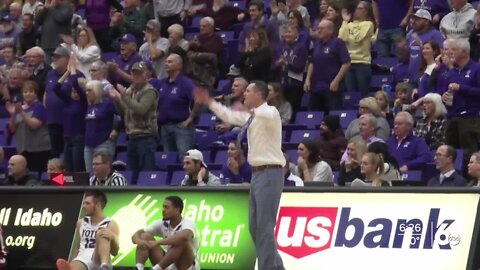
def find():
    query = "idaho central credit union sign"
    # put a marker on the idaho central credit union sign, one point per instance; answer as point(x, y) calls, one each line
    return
point(375, 231)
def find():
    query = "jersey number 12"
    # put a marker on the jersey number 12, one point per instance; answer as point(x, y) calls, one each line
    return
point(90, 243)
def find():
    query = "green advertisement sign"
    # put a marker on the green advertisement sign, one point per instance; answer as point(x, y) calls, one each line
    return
point(221, 218)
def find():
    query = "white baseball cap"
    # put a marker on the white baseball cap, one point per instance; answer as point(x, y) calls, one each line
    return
point(423, 14)
point(195, 154)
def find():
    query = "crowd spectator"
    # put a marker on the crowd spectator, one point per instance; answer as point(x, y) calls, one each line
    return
point(77, 21)
point(326, 85)
point(199, 5)
point(8, 31)
point(444, 64)
point(463, 119)
point(373, 171)
point(86, 51)
point(225, 16)
point(30, 6)
point(310, 166)
point(55, 166)
point(331, 143)
point(103, 172)
point(255, 62)
point(5, 10)
point(75, 104)
point(18, 174)
point(130, 20)
point(369, 105)
point(350, 167)
point(459, 23)
point(232, 100)
point(12, 90)
point(391, 19)
point(295, 20)
point(401, 71)
point(276, 98)
point(279, 16)
point(207, 40)
point(9, 55)
point(390, 166)
point(16, 14)
point(402, 98)
point(176, 100)
point(292, 62)
point(176, 37)
point(121, 66)
point(410, 151)
point(236, 170)
point(155, 48)
point(170, 12)
point(97, 14)
point(29, 36)
point(297, 5)
point(445, 156)
point(196, 171)
point(322, 13)
point(334, 14)
point(28, 122)
point(138, 105)
point(54, 18)
point(383, 102)
point(422, 32)
point(290, 179)
point(358, 35)
point(99, 122)
point(99, 71)
point(433, 125)
point(38, 69)
point(431, 50)
point(474, 169)
point(258, 21)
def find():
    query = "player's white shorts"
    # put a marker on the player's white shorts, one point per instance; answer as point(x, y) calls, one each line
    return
point(87, 260)
point(173, 267)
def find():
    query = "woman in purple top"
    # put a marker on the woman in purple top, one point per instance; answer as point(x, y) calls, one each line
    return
point(98, 123)
point(236, 170)
point(28, 121)
point(75, 102)
point(430, 51)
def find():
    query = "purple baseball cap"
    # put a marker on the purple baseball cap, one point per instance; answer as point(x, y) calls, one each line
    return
point(129, 38)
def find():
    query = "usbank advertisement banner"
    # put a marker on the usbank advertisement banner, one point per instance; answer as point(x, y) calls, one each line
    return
point(375, 231)
point(221, 219)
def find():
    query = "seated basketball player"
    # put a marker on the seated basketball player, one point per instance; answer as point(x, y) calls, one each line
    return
point(97, 236)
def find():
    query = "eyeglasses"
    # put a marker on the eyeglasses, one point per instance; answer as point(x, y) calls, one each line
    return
point(93, 70)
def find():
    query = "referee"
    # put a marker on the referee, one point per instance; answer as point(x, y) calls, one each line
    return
point(264, 133)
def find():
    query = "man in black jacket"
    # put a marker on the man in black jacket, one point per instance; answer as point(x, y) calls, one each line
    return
point(35, 58)
point(444, 160)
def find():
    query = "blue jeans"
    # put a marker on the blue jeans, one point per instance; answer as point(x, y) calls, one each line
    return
point(141, 155)
point(176, 138)
point(358, 79)
point(73, 153)
point(55, 131)
point(107, 146)
point(386, 40)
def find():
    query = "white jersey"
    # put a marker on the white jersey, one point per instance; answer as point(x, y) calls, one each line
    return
point(88, 233)
point(163, 229)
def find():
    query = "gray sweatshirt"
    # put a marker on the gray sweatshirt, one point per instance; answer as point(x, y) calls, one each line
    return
point(458, 24)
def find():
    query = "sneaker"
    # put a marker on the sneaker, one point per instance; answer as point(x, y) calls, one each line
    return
point(63, 264)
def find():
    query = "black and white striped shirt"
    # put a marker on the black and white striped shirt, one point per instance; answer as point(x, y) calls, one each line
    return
point(114, 179)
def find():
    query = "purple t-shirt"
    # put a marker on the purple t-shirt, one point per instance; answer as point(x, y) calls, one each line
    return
point(38, 111)
point(175, 99)
point(99, 122)
point(416, 51)
point(55, 105)
point(125, 65)
point(391, 13)
point(244, 174)
point(327, 59)
point(435, 7)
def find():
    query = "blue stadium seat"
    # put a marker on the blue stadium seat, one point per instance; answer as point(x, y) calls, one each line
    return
point(412, 176)
point(207, 156)
point(460, 159)
point(177, 177)
point(204, 139)
point(336, 174)
point(226, 36)
point(305, 100)
point(238, 4)
point(346, 116)
point(162, 159)
point(233, 53)
point(351, 100)
point(221, 157)
point(292, 155)
point(129, 176)
point(386, 61)
point(122, 156)
point(152, 178)
point(300, 135)
point(206, 121)
point(311, 119)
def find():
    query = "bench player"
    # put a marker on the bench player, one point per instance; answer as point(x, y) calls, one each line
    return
point(97, 236)
point(179, 238)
